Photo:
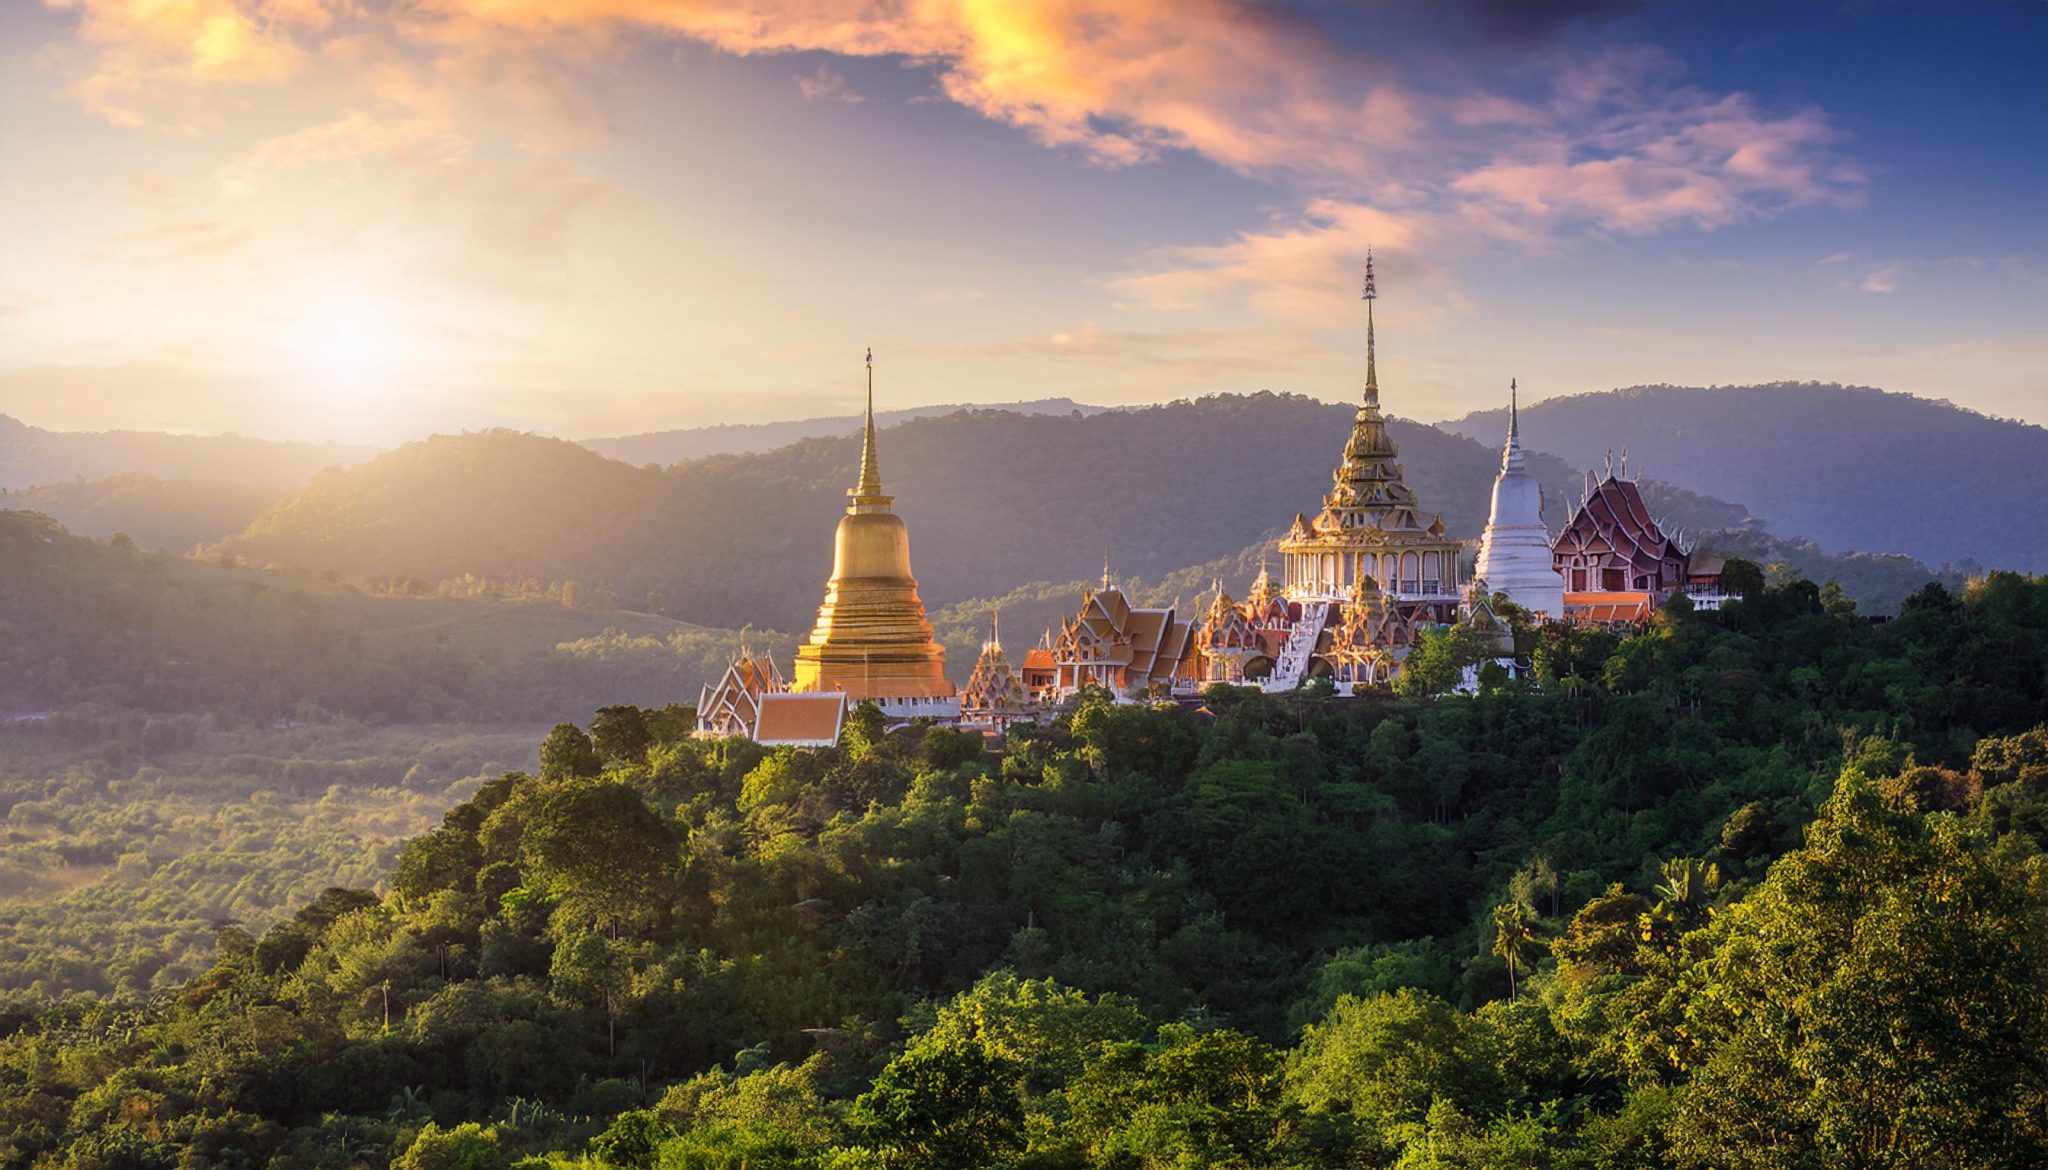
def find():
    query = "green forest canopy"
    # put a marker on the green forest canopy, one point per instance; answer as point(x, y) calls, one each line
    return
point(1763, 888)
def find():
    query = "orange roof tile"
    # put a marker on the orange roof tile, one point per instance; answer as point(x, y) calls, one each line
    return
point(800, 719)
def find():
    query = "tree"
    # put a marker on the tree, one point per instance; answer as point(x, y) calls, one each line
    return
point(1189, 1099)
point(1687, 890)
point(1438, 660)
point(1514, 938)
point(942, 1108)
point(1876, 1003)
point(598, 847)
point(468, 1146)
point(1744, 578)
point(568, 752)
point(1381, 1062)
point(619, 734)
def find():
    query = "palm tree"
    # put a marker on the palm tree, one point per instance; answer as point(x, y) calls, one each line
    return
point(1514, 937)
point(1687, 889)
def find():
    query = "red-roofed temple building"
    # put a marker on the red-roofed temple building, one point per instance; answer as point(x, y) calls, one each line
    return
point(1618, 563)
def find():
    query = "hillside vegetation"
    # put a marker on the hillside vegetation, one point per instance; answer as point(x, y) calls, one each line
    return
point(127, 843)
point(1762, 888)
point(1845, 466)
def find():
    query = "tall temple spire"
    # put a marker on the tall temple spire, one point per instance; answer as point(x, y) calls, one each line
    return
point(1372, 375)
point(869, 489)
point(1511, 454)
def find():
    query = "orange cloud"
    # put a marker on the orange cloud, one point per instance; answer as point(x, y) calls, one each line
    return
point(145, 47)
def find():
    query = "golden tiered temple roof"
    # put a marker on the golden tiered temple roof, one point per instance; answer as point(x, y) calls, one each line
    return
point(994, 693)
point(1371, 522)
point(1368, 491)
point(872, 639)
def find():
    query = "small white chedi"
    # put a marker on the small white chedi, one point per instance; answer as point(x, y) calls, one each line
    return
point(1514, 552)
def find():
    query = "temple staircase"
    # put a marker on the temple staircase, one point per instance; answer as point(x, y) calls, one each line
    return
point(1292, 666)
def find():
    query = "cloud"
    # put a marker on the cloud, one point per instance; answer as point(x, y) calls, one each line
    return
point(827, 84)
point(145, 49)
point(1880, 280)
point(1372, 148)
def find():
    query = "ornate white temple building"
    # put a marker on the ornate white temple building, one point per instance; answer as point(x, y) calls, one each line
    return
point(1514, 552)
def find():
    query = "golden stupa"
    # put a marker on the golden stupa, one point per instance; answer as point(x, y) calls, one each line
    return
point(872, 640)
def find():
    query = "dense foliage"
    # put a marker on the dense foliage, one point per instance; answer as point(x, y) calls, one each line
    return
point(1577, 925)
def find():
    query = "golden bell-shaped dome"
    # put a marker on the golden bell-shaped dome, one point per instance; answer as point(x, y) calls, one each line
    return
point(872, 639)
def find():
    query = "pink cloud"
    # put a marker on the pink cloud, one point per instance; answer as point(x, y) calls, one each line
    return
point(827, 84)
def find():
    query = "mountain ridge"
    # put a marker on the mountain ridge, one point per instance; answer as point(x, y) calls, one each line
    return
point(681, 444)
point(1850, 467)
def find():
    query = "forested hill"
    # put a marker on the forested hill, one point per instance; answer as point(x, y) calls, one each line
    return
point(1848, 467)
point(993, 500)
point(687, 443)
point(31, 455)
point(171, 514)
point(86, 626)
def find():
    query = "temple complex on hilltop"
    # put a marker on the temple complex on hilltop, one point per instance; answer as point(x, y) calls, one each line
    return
point(1361, 581)
point(1515, 556)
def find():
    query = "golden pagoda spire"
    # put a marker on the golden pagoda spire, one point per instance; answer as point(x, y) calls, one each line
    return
point(1372, 374)
point(869, 490)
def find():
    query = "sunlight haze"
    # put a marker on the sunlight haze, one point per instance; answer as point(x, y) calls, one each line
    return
point(365, 222)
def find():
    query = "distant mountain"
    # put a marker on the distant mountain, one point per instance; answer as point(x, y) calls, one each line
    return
point(1847, 467)
point(170, 514)
point(994, 500)
point(31, 455)
point(677, 446)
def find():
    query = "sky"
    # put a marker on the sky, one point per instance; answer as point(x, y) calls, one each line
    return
point(366, 220)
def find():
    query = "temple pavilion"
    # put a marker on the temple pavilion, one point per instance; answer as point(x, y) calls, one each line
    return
point(1617, 562)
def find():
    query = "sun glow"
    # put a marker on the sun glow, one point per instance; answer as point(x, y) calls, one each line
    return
point(353, 354)
point(356, 345)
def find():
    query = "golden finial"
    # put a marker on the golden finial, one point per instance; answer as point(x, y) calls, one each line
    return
point(869, 489)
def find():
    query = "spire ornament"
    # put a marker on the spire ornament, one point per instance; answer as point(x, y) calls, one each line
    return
point(869, 490)
point(1511, 455)
point(1372, 376)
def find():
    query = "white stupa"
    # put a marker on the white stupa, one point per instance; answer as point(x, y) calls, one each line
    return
point(1514, 554)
